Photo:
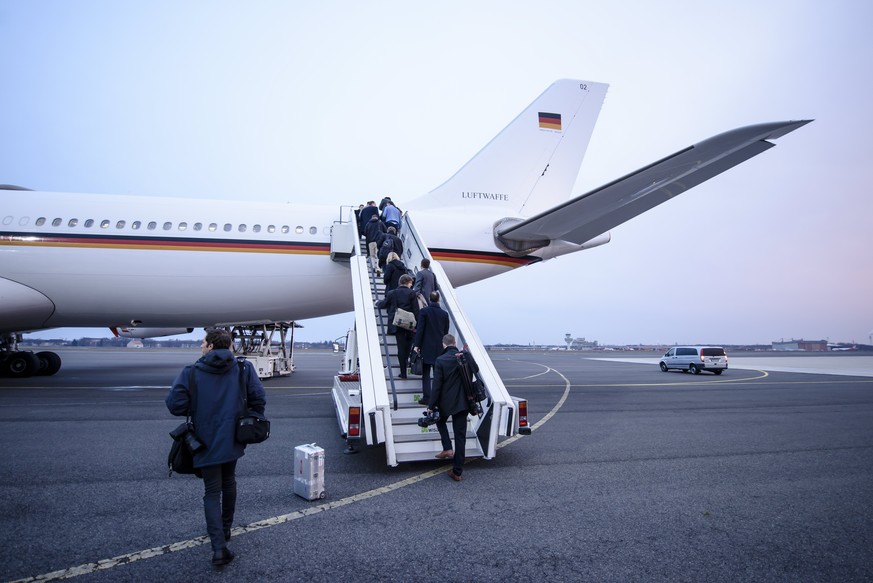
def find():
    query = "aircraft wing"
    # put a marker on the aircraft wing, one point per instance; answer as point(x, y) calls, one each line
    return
point(594, 213)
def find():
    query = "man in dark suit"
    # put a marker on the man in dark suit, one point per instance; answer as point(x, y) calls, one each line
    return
point(449, 397)
point(433, 324)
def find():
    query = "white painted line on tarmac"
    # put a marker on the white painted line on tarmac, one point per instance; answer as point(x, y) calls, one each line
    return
point(126, 559)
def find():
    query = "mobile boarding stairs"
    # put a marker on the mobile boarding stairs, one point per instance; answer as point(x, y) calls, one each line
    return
point(373, 405)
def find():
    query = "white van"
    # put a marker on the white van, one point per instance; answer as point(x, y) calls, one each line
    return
point(694, 359)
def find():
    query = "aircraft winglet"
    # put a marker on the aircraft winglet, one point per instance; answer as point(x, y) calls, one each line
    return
point(594, 213)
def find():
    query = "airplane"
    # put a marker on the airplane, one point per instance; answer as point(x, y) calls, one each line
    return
point(93, 260)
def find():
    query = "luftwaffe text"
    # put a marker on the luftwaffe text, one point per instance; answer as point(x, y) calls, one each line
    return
point(485, 196)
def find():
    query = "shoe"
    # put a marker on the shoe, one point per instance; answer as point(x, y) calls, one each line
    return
point(221, 557)
point(452, 475)
point(445, 454)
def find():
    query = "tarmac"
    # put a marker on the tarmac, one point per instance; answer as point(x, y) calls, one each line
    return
point(630, 474)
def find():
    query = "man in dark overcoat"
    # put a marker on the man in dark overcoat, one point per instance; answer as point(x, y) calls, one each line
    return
point(404, 298)
point(449, 397)
point(433, 324)
point(211, 392)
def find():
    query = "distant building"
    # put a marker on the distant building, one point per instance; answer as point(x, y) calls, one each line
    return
point(801, 345)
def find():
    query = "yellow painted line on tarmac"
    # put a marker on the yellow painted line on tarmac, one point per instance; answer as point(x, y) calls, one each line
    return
point(126, 559)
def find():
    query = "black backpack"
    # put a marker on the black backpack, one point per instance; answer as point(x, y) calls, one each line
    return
point(473, 387)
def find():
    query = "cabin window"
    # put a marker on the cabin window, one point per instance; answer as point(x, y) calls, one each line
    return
point(212, 226)
point(298, 230)
point(242, 228)
point(57, 222)
point(227, 227)
point(120, 224)
point(89, 223)
point(7, 220)
point(23, 221)
point(313, 230)
point(286, 229)
point(168, 225)
point(40, 221)
point(104, 223)
point(198, 226)
point(136, 225)
point(271, 228)
point(183, 226)
point(152, 226)
point(256, 228)
point(72, 222)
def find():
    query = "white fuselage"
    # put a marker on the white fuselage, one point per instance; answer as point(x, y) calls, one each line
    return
point(106, 260)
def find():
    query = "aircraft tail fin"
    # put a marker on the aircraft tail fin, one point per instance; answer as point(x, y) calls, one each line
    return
point(533, 163)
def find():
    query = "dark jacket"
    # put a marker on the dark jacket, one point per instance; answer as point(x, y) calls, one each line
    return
point(393, 271)
point(374, 229)
point(389, 243)
point(217, 402)
point(402, 297)
point(367, 212)
point(433, 324)
point(447, 391)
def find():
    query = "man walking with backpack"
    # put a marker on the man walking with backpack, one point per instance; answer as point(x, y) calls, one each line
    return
point(449, 396)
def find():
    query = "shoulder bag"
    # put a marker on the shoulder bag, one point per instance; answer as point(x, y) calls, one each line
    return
point(185, 442)
point(404, 319)
point(251, 426)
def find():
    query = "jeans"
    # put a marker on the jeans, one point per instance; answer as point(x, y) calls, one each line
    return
point(219, 501)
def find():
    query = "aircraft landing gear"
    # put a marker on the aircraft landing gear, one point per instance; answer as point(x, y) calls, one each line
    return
point(24, 363)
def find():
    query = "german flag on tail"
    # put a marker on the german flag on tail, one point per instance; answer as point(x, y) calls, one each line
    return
point(550, 121)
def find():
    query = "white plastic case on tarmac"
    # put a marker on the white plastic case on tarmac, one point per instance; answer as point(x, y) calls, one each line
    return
point(309, 472)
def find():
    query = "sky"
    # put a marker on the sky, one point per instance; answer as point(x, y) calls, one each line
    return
point(342, 102)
